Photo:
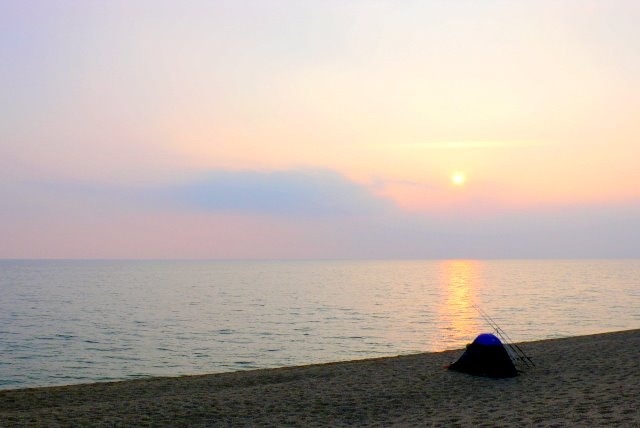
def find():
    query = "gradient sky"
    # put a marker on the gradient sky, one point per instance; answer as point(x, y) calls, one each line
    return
point(319, 129)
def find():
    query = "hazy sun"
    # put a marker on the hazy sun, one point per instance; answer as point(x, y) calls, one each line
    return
point(458, 178)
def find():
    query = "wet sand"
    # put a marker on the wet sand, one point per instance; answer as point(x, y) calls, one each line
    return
point(580, 381)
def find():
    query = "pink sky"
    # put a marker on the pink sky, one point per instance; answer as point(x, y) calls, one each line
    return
point(295, 129)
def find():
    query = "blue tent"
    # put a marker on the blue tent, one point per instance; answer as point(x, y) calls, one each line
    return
point(485, 356)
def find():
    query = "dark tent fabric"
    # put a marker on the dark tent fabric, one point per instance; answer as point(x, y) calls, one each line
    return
point(486, 356)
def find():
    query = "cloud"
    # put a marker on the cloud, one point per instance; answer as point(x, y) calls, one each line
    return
point(292, 214)
point(579, 231)
point(308, 193)
point(457, 145)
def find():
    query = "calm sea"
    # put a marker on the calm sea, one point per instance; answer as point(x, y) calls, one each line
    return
point(64, 322)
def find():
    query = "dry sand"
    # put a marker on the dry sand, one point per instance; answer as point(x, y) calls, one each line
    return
point(579, 381)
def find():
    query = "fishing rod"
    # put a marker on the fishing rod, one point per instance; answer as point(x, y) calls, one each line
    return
point(520, 354)
point(516, 353)
point(513, 354)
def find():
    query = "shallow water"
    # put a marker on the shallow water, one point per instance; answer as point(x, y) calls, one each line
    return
point(65, 322)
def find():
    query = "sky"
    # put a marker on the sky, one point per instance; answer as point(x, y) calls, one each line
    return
point(296, 129)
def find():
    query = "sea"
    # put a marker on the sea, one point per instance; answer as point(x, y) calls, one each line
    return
point(67, 321)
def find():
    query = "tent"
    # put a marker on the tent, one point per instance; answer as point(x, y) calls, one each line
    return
point(486, 356)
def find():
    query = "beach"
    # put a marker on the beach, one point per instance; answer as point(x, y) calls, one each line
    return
point(589, 380)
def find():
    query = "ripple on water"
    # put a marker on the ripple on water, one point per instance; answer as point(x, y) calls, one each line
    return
point(71, 322)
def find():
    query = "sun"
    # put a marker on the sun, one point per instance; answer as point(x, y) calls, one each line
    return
point(458, 178)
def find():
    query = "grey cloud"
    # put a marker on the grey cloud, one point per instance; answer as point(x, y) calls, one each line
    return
point(298, 193)
point(611, 231)
point(334, 217)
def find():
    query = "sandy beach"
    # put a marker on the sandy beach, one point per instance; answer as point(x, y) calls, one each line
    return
point(580, 381)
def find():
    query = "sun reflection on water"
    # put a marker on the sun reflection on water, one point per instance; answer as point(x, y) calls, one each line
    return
point(458, 320)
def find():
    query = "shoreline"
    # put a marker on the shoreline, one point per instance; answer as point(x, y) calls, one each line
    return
point(581, 380)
